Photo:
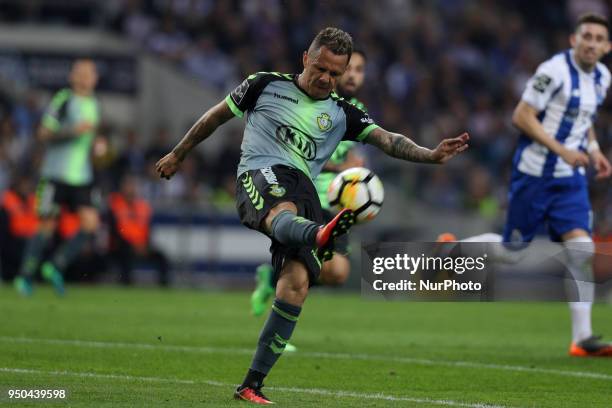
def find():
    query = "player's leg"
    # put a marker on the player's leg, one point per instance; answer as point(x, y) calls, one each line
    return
point(579, 250)
point(284, 225)
point(297, 232)
point(570, 222)
point(486, 237)
point(82, 198)
point(48, 195)
point(497, 251)
point(34, 250)
point(335, 271)
point(291, 292)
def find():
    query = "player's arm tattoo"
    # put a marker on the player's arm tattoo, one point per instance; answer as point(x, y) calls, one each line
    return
point(203, 128)
point(399, 146)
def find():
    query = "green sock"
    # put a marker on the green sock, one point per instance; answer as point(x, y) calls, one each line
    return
point(69, 250)
point(274, 336)
point(293, 230)
point(33, 251)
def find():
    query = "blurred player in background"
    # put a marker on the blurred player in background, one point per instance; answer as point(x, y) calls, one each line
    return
point(558, 141)
point(68, 129)
point(294, 124)
point(346, 155)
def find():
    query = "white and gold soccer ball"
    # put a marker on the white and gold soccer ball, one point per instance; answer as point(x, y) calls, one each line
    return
point(358, 189)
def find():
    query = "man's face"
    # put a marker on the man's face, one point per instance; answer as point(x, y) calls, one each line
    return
point(590, 43)
point(322, 69)
point(352, 80)
point(84, 76)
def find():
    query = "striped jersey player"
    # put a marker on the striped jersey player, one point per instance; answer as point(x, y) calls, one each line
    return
point(549, 184)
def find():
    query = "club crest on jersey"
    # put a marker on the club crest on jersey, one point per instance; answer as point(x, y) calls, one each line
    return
point(324, 122)
point(277, 191)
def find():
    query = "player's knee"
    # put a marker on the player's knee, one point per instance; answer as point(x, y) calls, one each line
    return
point(298, 286)
point(293, 283)
point(580, 250)
point(336, 271)
point(277, 209)
point(293, 292)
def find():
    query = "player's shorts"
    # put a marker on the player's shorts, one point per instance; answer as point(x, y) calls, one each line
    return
point(52, 195)
point(258, 191)
point(341, 244)
point(562, 204)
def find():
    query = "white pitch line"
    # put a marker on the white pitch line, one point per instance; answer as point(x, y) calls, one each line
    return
point(312, 391)
point(95, 375)
point(334, 356)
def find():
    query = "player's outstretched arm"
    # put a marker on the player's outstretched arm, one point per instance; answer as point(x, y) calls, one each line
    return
point(401, 147)
point(202, 129)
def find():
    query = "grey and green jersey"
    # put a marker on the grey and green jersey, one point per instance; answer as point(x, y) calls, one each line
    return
point(68, 160)
point(285, 126)
point(339, 156)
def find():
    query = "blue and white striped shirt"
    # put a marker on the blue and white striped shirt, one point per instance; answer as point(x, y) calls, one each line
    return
point(567, 99)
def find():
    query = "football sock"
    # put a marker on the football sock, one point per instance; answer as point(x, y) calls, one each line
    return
point(487, 237)
point(253, 379)
point(34, 249)
point(272, 340)
point(69, 250)
point(579, 254)
point(293, 230)
point(581, 320)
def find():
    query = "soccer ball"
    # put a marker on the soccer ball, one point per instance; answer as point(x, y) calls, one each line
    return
point(357, 189)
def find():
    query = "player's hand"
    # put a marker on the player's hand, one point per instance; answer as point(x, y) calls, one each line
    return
point(449, 148)
point(574, 158)
point(601, 164)
point(167, 166)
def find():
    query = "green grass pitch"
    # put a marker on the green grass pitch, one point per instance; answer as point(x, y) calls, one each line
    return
point(111, 347)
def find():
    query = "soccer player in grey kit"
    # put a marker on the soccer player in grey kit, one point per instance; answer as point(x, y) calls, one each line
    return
point(293, 125)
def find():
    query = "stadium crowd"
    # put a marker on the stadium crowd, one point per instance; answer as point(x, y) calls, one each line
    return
point(434, 68)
